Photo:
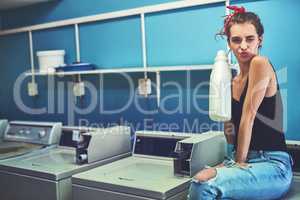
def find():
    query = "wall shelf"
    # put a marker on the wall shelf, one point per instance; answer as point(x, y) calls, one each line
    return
point(128, 70)
point(110, 70)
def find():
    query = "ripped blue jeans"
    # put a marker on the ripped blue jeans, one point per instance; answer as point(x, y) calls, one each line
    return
point(267, 176)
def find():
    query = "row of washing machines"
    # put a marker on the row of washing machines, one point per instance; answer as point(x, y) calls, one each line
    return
point(46, 161)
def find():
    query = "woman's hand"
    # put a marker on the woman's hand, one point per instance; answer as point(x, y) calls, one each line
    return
point(243, 165)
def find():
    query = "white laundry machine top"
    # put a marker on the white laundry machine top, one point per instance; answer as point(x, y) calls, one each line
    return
point(22, 137)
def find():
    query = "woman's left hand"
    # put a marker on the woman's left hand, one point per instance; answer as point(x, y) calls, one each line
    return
point(243, 165)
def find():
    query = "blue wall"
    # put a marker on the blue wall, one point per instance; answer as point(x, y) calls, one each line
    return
point(173, 38)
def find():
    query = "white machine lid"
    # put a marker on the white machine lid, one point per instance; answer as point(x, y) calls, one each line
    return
point(49, 164)
point(53, 164)
point(12, 149)
point(137, 176)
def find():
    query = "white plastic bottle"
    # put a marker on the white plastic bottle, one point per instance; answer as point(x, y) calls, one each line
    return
point(220, 89)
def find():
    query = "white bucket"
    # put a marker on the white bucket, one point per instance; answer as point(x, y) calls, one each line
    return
point(48, 60)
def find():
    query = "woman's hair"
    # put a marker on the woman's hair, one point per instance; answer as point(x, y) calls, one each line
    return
point(241, 18)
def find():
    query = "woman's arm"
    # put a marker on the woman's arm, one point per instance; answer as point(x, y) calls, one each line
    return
point(260, 74)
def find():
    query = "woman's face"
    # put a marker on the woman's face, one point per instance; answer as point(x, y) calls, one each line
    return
point(244, 41)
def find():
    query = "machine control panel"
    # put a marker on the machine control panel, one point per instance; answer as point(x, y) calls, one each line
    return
point(3, 125)
point(33, 132)
point(155, 146)
point(190, 152)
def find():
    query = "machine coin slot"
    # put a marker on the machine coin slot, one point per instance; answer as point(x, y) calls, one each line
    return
point(81, 149)
point(113, 141)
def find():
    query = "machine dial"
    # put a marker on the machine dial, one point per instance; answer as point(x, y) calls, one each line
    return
point(21, 132)
point(42, 133)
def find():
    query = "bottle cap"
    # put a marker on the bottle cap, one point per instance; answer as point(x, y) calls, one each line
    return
point(221, 55)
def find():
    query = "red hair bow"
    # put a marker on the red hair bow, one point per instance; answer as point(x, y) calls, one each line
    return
point(236, 10)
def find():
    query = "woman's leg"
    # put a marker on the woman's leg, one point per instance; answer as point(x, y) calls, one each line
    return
point(267, 177)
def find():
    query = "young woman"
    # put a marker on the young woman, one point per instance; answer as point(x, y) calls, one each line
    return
point(260, 167)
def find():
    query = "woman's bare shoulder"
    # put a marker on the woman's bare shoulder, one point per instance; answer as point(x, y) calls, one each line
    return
point(260, 60)
point(260, 64)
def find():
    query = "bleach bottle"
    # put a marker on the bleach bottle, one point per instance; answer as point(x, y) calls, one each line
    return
point(220, 89)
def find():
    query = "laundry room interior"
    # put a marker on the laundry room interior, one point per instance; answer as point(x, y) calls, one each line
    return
point(156, 100)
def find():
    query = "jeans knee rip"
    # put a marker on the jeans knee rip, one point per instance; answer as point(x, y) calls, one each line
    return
point(209, 181)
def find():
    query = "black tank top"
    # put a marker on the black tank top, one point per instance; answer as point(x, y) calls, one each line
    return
point(267, 131)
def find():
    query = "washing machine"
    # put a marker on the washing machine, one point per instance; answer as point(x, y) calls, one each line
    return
point(294, 150)
point(47, 175)
point(161, 167)
point(23, 137)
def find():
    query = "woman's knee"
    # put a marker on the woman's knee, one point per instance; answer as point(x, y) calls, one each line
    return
point(206, 174)
point(202, 185)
